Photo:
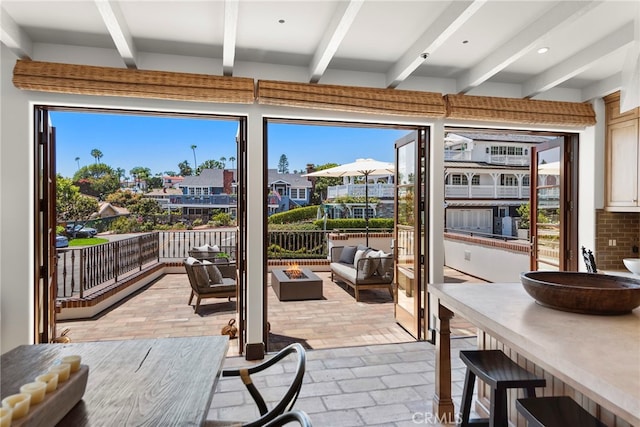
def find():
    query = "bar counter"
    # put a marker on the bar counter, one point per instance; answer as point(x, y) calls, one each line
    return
point(599, 356)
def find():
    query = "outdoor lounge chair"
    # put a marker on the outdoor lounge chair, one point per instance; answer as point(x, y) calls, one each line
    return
point(209, 280)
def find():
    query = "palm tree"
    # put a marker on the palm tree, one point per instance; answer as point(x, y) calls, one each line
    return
point(195, 163)
point(97, 154)
point(222, 162)
point(233, 162)
point(78, 162)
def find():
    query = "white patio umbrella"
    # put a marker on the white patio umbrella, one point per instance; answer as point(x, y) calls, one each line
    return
point(361, 167)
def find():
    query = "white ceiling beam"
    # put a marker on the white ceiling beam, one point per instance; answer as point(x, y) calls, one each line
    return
point(443, 27)
point(579, 62)
point(14, 37)
point(230, 33)
point(341, 22)
point(522, 43)
point(119, 31)
point(602, 88)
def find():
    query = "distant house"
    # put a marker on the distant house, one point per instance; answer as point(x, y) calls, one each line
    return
point(163, 195)
point(486, 180)
point(204, 195)
point(287, 191)
point(171, 181)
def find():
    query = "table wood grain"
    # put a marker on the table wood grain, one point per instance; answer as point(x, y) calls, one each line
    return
point(151, 382)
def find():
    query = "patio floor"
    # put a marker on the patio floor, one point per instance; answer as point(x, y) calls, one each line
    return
point(362, 368)
point(160, 310)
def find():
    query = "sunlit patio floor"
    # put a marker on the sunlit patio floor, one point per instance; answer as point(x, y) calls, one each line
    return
point(161, 310)
point(362, 368)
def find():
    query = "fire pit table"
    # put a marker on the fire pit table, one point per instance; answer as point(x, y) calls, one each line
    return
point(296, 284)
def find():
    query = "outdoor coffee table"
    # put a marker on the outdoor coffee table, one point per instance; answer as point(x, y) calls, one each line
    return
point(308, 286)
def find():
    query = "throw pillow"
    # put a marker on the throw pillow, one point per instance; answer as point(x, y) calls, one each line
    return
point(371, 264)
point(357, 257)
point(199, 272)
point(386, 263)
point(215, 276)
point(347, 254)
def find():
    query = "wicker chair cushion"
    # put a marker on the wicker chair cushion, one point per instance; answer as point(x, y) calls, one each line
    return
point(348, 254)
point(200, 273)
point(215, 276)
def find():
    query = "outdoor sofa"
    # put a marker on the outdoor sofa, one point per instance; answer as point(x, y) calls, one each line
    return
point(362, 268)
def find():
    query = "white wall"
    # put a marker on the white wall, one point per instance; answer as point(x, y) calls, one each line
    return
point(488, 263)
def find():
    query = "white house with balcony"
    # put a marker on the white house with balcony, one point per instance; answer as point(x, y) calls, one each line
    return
point(486, 180)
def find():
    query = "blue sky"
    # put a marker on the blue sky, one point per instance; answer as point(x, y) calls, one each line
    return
point(160, 143)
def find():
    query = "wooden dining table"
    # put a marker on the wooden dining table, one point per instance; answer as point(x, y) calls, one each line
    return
point(147, 382)
point(595, 357)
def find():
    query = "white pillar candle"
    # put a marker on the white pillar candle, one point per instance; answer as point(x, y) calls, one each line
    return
point(63, 370)
point(19, 404)
point(50, 379)
point(5, 417)
point(74, 361)
point(36, 390)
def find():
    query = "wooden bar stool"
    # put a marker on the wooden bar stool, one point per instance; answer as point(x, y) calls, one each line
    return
point(555, 411)
point(500, 373)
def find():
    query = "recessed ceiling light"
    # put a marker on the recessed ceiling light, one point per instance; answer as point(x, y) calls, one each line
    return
point(465, 41)
point(543, 50)
point(281, 21)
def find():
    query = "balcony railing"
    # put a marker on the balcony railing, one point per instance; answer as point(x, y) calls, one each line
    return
point(357, 190)
point(486, 192)
point(84, 270)
point(297, 244)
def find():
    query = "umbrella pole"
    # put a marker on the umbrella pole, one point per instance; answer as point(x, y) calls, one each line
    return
point(366, 208)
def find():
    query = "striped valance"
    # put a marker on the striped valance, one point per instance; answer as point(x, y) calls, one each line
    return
point(512, 110)
point(107, 81)
point(351, 98)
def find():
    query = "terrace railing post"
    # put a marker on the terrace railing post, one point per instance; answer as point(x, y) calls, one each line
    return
point(116, 257)
point(82, 273)
point(140, 262)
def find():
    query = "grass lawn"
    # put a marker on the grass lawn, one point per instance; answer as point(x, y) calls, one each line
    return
point(88, 241)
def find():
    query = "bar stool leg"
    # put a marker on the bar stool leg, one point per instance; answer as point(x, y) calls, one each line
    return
point(530, 392)
point(467, 398)
point(498, 408)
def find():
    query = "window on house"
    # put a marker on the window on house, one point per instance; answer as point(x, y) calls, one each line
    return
point(506, 151)
point(508, 180)
point(525, 181)
point(475, 180)
point(459, 179)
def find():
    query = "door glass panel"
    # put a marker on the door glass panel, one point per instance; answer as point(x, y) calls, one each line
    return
point(547, 223)
point(405, 238)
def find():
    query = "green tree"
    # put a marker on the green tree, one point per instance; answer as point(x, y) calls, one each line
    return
point(185, 168)
point(223, 161)
point(123, 199)
point(78, 162)
point(322, 183)
point(97, 154)
point(232, 159)
point(195, 162)
point(283, 164)
point(146, 209)
point(70, 204)
point(154, 182)
point(209, 164)
point(140, 174)
point(97, 180)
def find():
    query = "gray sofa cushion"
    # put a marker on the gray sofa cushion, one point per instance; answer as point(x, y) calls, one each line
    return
point(344, 270)
point(347, 255)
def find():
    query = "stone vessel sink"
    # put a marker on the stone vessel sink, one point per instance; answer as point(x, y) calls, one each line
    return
point(587, 293)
